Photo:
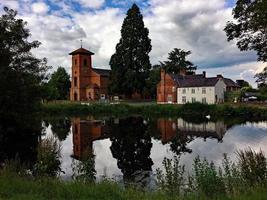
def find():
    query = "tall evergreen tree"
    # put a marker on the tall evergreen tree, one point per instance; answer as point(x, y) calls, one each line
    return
point(130, 64)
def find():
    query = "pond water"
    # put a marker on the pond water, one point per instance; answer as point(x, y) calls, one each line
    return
point(126, 148)
point(132, 148)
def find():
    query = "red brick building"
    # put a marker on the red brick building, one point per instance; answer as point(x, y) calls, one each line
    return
point(87, 83)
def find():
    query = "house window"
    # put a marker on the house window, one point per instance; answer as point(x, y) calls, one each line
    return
point(204, 100)
point(203, 90)
point(75, 62)
point(193, 91)
point(85, 62)
point(183, 99)
point(184, 91)
point(75, 81)
point(193, 99)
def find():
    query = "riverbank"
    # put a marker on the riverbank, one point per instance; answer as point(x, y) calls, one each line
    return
point(151, 109)
point(18, 188)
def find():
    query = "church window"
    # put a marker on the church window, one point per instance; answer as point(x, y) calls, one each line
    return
point(75, 62)
point(85, 62)
point(75, 81)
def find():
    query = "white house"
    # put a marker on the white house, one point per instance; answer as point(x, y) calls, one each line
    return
point(204, 90)
point(182, 88)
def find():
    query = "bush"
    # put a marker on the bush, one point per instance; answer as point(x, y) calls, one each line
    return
point(48, 158)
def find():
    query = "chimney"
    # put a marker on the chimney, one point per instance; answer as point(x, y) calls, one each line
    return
point(219, 76)
point(162, 73)
point(182, 72)
point(204, 74)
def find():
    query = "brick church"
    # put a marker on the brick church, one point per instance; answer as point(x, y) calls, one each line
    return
point(87, 83)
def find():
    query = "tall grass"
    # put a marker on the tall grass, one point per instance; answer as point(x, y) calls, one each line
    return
point(48, 158)
point(232, 179)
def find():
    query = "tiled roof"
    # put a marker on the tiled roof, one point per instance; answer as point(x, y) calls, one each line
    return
point(81, 51)
point(102, 72)
point(199, 80)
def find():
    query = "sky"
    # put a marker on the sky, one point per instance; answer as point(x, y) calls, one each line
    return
point(195, 25)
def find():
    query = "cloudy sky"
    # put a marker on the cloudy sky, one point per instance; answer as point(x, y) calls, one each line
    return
point(195, 25)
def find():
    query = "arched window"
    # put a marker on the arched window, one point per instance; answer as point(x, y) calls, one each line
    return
point(85, 62)
point(75, 81)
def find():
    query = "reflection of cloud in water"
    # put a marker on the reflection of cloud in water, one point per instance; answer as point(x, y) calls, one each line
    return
point(105, 164)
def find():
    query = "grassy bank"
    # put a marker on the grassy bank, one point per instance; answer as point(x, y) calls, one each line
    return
point(13, 187)
point(244, 179)
point(187, 110)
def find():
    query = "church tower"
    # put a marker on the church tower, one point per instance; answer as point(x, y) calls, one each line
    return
point(81, 73)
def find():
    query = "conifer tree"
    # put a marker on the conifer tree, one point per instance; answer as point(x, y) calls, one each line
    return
point(130, 63)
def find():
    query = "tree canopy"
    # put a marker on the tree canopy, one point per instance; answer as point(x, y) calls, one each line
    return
point(177, 62)
point(21, 73)
point(130, 63)
point(249, 27)
point(261, 78)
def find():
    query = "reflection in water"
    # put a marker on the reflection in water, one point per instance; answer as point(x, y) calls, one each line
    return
point(131, 141)
point(179, 132)
point(19, 139)
point(131, 146)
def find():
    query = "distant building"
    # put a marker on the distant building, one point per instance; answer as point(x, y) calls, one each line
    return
point(181, 88)
point(87, 83)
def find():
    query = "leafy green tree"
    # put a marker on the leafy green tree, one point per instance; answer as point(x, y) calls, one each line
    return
point(59, 84)
point(20, 72)
point(177, 62)
point(261, 78)
point(152, 81)
point(249, 27)
point(130, 63)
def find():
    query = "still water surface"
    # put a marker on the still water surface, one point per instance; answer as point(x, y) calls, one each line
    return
point(134, 147)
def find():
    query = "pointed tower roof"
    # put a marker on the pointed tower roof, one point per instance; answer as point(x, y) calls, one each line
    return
point(81, 51)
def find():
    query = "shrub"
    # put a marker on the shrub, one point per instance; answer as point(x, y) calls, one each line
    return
point(48, 158)
point(172, 180)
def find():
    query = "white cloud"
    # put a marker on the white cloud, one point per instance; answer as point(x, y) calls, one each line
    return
point(91, 3)
point(40, 8)
point(12, 4)
point(194, 25)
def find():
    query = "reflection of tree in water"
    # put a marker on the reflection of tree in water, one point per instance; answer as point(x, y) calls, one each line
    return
point(60, 127)
point(131, 146)
point(19, 139)
point(179, 143)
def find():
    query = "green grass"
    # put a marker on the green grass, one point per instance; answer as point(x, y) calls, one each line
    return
point(151, 109)
point(18, 188)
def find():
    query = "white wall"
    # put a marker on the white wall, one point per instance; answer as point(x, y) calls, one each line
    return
point(198, 95)
point(220, 88)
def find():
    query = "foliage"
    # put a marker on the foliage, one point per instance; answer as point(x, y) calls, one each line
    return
point(249, 27)
point(20, 72)
point(207, 179)
point(84, 170)
point(177, 62)
point(261, 78)
point(231, 96)
point(150, 89)
point(130, 63)
point(195, 111)
point(173, 180)
point(253, 167)
point(60, 127)
point(48, 158)
point(57, 88)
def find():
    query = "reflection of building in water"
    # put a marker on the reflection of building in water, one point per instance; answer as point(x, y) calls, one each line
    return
point(169, 128)
point(84, 133)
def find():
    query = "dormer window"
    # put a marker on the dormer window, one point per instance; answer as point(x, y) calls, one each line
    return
point(85, 62)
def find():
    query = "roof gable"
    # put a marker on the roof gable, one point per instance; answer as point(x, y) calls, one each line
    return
point(81, 51)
